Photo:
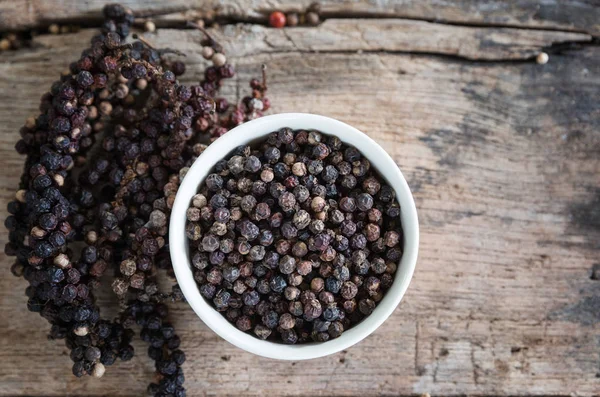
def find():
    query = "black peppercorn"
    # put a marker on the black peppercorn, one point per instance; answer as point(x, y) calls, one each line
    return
point(374, 215)
point(265, 238)
point(320, 151)
point(349, 306)
point(291, 293)
point(285, 136)
point(231, 273)
point(335, 329)
point(358, 241)
point(333, 285)
point(321, 241)
point(79, 369)
point(392, 238)
point(218, 201)
point(208, 290)
point(244, 323)
point(48, 221)
point(221, 300)
point(364, 202)
point(214, 276)
point(312, 309)
point(288, 231)
point(342, 273)
point(251, 298)
point(287, 264)
point(347, 204)
point(366, 306)
point(262, 331)
point(372, 232)
point(221, 215)
point(371, 185)
point(394, 254)
point(329, 174)
point(372, 285)
point(272, 155)
point(331, 313)
point(378, 265)
point(270, 319)
point(92, 353)
point(386, 194)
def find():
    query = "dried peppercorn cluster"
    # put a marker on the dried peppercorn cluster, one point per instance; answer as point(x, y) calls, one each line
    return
point(296, 239)
point(80, 213)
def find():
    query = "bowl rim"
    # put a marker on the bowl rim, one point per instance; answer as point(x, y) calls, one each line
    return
point(251, 131)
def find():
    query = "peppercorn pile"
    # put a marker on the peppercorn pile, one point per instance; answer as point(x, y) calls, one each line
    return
point(294, 240)
point(81, 213)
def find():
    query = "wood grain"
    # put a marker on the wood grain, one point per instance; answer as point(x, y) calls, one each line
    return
point(582, 16)
point(396, 35)
point(504, 163)
point(363, 35)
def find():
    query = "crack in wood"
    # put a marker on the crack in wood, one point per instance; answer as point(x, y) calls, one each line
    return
point(176, 17)
point(475, 366)
point(290, 39)
point(418, 370)
point(393, 36)
point(451, 23)
point(436, 364)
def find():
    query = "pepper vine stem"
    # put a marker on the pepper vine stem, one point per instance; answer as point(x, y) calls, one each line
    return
point(213, 43)
point(161, 51)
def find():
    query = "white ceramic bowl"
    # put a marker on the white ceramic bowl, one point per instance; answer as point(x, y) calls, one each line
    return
point(252, 131)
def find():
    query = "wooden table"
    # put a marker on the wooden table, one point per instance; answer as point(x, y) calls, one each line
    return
point(502, 155)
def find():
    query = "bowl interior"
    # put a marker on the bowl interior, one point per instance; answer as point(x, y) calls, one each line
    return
point(257, 130)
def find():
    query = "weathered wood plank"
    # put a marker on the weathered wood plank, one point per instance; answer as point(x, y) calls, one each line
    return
point(367, 35)
point(583, 16)
point(396, 35)
point(504, 163)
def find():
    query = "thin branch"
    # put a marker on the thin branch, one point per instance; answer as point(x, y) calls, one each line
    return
point(264, 76)
point(213, 43)
point(161, 51)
